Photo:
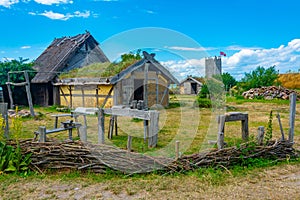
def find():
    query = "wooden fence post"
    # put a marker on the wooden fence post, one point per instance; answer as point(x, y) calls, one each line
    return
point(129, 143)
point(293, 99)
point(42, 133)
point(260, 135)
point(3, 111)
point(100, 126)
point(220, 141)
point(280, 126)
point(153, 129)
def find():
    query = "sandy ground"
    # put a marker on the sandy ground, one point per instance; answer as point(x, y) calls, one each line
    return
point(279, 182)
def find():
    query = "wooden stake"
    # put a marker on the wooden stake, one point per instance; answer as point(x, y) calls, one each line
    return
point(220, 141)
point(42, 133)
point(129, 143)
point(260, 135)
point(27, 86)
point(100, 126)
point(293, 98)
point(280, 125)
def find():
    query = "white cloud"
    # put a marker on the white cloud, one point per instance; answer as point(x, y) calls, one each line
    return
point(183, 68)
point(190, 48)
point(25, 47)
point(284, 57)
point(8, 3)
point(50, 2)
point(59, 16)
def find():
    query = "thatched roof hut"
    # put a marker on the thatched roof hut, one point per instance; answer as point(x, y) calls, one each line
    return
point(63, 55)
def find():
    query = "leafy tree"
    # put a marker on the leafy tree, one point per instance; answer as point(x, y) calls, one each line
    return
point(15, 65)
point(260, 77)
point(228, 81)
point(19, 93)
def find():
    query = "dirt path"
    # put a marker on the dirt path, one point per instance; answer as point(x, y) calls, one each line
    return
point(279, 182)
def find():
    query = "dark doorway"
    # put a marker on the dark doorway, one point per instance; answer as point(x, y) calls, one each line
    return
point(138, 89)
point(194, 88)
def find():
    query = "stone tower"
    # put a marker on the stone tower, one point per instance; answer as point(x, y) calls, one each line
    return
point(213, 66)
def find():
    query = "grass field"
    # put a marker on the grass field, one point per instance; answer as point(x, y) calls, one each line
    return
point(263, 180)
point(192, 126)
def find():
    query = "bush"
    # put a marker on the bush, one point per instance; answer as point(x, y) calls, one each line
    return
point(203, 103)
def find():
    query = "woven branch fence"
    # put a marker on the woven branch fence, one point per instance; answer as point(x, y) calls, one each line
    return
point(100, 158)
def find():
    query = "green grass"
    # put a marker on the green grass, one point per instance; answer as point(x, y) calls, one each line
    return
point(242, 100)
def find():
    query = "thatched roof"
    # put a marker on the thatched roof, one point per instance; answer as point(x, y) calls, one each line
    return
point(154, 63)
point(67, 53)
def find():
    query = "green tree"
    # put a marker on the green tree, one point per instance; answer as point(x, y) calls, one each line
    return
point(228, 81)
point(260, 77)
point(15, 65)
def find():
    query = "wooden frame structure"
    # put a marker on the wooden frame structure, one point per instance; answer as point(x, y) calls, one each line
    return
point(229, 117)
point(27, 86)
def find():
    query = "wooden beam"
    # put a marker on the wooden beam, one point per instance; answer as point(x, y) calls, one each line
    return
point(64, 96)
point(27, 86)
point(108, 95)
point(10, 93)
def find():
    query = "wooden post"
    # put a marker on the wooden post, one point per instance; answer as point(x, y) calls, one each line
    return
point(221, 123)
point(71, 100)
point(10, 92)
point(280, 125)
point(260, 135)
point(153, 129)
point(116, 125)
point(42, 133)
point(3, 111)
point(70, 134)
point(293, 99)
point(146, 84)
point(245, 128)
point(97, 97)
point(177, 150)
point(83, 99)
point(100, 126)
point(27, 86)
point(55, 121)
point(220, 141)
point(129, 143)
point(111, 127)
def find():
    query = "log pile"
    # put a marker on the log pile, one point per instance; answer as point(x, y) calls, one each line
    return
point(269, 93)
point(100, 158)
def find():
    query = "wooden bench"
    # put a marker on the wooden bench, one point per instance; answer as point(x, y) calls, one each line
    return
point(68, 125)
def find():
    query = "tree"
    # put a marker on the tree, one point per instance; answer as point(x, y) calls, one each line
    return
point(15, 65)
point(228, 81)
point(260, 77)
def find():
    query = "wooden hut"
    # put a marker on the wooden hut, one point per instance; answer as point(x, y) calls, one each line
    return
point(190, 85)
point(145, 80)
point(63, 54)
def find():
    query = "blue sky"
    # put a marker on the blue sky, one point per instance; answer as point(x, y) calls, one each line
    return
point(251, 33)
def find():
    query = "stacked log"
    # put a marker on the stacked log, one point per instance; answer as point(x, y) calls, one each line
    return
point(269, 93)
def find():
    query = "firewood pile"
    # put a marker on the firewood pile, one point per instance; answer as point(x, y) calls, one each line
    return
point(100, 158)
point(269, 93)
